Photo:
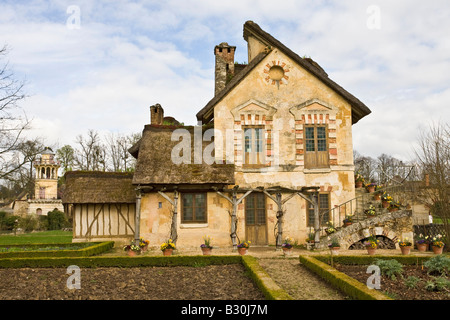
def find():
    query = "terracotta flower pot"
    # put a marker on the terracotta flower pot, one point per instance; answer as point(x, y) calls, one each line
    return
point(371, 251)
point(335, 250)
point(405, 250)
point(287, 251)
point(377, 196)
point(371, 189)
point(346, 224)
point(437, 250)
point(359, 184)
point(422, 247)
point(206, 251)
point(385, 204)
point(242, 251)
point(131, 253)
point(167, 252)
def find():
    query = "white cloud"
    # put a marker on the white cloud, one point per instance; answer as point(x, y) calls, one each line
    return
point(129, 55)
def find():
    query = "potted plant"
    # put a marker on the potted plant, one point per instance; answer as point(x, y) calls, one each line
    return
point(385, 199)
point(334, 246)
point(371, 187)
point(378, 192)
point(393, 206)
point(371, 244)
point(359, 180)
point(143, 244)
point(348, 220)
point(437, 244)
point(371, 212)
point(330, 228)
point(243, 246)
point(422, 242)
point(287, 246)
point(168, 247)
point(132, 249)
point(206, 246)
point(405, 246)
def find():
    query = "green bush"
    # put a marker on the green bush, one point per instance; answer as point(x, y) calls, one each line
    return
point(439, 264)
point(411, 282)
point(2, 219)
point(56, 220)
point(11, 222)
point(29, 223)
point(390, 268)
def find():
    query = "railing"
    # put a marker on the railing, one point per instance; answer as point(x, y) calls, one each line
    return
point(401, 193)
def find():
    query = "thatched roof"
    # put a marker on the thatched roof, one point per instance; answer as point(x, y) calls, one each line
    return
point(155, 166)
point(359, 109)
point(98, 187)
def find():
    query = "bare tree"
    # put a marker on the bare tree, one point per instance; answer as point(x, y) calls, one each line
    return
point(86, 154)
point(66, 156)
point(12, 124)
point(433, 156)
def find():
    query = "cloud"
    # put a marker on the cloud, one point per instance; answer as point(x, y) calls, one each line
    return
point(129, 55)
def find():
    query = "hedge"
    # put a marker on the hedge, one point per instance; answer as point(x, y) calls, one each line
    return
point(352, 287)
point(118, 261)
point(368, 260)
point(91, 249)
point(264, 282)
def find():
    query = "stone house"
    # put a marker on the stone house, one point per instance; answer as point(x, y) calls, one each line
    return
point(272, 149)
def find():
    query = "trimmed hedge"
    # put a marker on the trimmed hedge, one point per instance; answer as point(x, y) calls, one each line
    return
point(343, 282)
point(368, 260)
point(264, 282)
point(119, 261)
point(91, 249)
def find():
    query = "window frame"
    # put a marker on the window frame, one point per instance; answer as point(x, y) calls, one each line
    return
point(183, 206)
point(252, 155)
point(314, 159)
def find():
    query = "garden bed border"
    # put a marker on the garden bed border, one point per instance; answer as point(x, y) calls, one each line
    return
point(352, 287)
point(93, 249)
point(258, 275)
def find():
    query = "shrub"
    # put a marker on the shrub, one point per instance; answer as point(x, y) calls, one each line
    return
point(56, 220)
point(439, 264)
point(11, 222)
point(29, 223)
point(390, 268)
point(411, 282)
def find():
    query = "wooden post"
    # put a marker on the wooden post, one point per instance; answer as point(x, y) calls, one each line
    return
point(234, 204)
point(174, 203)
point(138, 216)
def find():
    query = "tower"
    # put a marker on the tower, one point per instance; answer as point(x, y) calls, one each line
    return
point(46, 180)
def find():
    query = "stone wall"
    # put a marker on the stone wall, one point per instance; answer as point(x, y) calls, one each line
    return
point(395, 226)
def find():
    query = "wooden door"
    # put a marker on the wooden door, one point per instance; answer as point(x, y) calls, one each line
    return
point(255, 218)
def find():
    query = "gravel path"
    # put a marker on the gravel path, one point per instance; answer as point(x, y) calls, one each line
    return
point(299, 282)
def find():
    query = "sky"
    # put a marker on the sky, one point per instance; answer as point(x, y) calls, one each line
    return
point(101, 64)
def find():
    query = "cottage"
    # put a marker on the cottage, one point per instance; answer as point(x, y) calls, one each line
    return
point(271, 151)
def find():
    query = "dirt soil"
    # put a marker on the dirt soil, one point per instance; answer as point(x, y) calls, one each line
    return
point(397, 288)
point(221, 282)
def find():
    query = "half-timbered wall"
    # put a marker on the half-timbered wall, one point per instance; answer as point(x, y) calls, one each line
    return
point(103, 221)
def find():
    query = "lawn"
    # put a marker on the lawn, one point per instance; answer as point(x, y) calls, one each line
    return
point(54, 236)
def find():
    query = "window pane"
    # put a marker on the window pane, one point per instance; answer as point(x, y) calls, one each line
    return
point(309, 132)
point(261, 216)
point(188, 213)
point(321, 139)
point(248, 140)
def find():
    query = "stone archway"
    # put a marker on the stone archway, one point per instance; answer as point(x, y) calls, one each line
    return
point(383, 243)
point(389, 228)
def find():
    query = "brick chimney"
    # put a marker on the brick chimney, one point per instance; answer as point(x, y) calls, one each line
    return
point(224, 65)
point(156, 114)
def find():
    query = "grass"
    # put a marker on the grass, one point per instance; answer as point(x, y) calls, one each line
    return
point(54, 236)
